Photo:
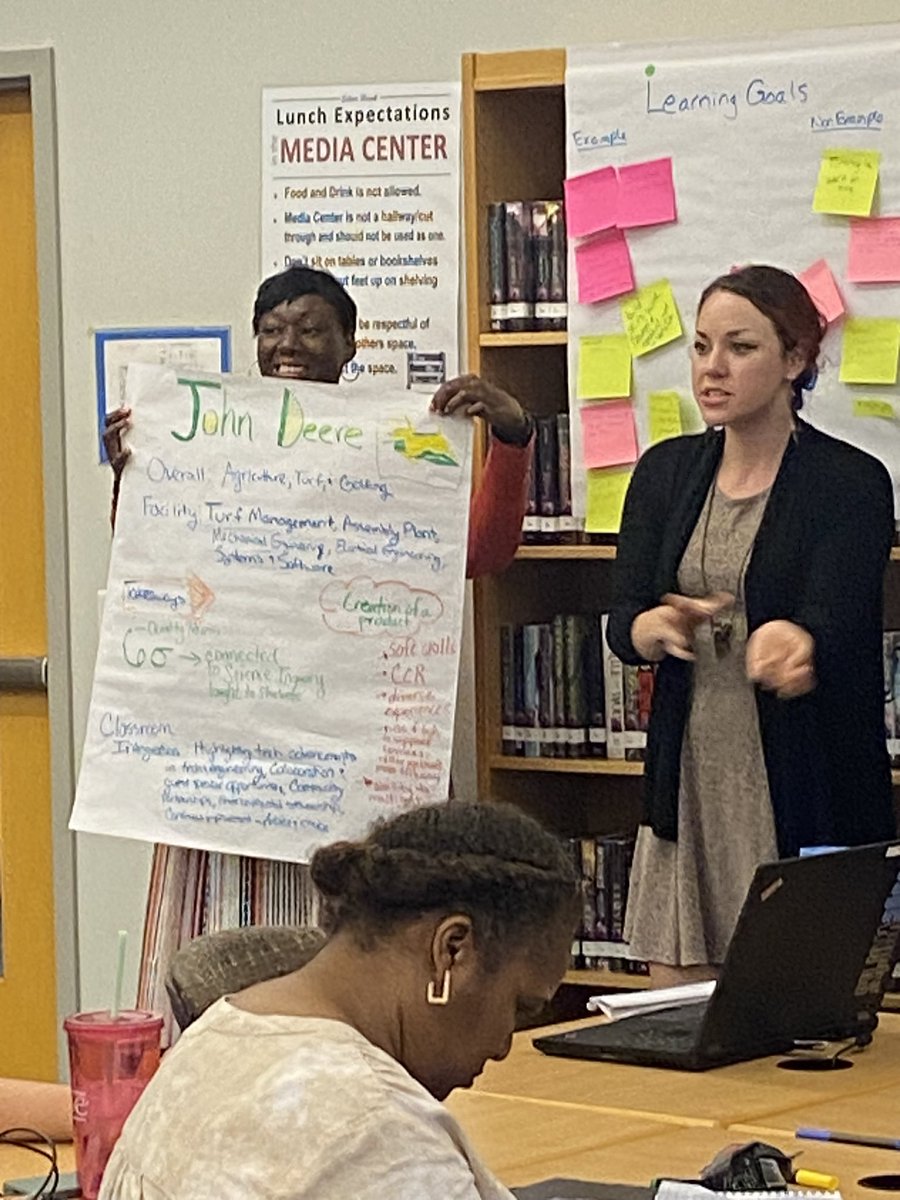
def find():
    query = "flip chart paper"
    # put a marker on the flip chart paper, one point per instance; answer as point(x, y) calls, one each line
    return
point(279, 644)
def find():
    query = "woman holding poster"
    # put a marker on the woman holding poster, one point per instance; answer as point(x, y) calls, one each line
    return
point(750, 569)
point(305, 327)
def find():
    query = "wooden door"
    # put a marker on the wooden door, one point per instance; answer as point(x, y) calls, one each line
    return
point(27, 952)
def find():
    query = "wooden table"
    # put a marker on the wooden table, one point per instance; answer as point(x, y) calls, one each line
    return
point(22, 1164)
point(533, 1117)
point(751, 1091)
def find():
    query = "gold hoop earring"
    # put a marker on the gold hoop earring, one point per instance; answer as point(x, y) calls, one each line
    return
point(443, 996)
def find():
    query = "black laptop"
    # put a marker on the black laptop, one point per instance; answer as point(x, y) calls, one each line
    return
point(810, 959)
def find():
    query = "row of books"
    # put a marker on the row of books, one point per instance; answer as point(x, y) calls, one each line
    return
point(527, 265)
point(548, 516)
point(604, 864)
point(564, 694)
point(193, 892)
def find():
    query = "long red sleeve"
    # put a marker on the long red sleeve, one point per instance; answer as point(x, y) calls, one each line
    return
point(498, 508)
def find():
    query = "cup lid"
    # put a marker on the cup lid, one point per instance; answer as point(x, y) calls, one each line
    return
point(102, 1021)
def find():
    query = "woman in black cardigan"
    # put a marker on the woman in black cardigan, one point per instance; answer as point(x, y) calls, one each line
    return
point(750, 569)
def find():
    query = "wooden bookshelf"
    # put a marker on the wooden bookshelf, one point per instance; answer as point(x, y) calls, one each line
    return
point(546, 337)
point(604, 978)
point(566, 552)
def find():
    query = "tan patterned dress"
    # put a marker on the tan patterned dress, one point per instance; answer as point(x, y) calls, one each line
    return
point(685, 896)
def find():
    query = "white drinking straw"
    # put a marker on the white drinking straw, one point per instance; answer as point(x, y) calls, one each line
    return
point(120, 972)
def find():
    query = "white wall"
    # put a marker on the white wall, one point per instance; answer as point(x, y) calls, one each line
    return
point(159, 116)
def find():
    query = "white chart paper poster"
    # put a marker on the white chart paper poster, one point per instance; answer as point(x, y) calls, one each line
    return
point(363, 181)
point(279, 646)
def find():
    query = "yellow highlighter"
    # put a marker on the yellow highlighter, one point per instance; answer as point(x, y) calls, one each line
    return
point(814, 1179)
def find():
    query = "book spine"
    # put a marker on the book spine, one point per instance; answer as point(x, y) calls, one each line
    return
point(576, 706)
point(531, 726)
point(555, 311)
point(566, 522)
point(614, 696)
point(546, 699)
point(496, 219)
point(507, 690)
point(595, 694)
point(633, 741)
point(519, 273)
point(588, 898)
point(519, 687)
point(559, 686)
point(548, 458)
point(541, 254)
point(531, 523)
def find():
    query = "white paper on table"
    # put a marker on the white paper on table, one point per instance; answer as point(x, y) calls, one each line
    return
point(618, 1005)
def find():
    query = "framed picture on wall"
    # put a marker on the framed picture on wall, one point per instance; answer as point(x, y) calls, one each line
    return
point(203, 348)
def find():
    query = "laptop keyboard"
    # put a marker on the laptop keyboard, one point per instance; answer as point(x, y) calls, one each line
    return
point(675, 1029)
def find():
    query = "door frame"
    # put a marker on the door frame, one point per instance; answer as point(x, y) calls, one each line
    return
point(35, 70)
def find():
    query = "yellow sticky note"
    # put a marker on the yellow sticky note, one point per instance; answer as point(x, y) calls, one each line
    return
point(665, 416)
point(604, 367)
point(606, 490)
point(651, 317)
point(846, 183)
point(870, 350)
point(869, 406)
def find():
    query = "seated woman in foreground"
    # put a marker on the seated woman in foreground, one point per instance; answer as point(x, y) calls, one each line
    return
point(446, 924)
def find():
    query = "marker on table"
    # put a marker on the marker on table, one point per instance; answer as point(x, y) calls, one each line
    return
point(853, 1139)
point(815, 1179)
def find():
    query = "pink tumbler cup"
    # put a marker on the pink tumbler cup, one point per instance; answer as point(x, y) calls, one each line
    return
point(112, 1059)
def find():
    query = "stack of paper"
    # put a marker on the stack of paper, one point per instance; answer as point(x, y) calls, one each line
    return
point(617, 1005)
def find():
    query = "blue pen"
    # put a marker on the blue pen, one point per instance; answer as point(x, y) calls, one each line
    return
point(854, 1139)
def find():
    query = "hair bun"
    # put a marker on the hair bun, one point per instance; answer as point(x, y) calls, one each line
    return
point(336, 870)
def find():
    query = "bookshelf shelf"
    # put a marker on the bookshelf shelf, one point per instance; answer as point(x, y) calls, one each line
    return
point(568, 766)
point(547, 337)
point(605, 978)
point(566, 552)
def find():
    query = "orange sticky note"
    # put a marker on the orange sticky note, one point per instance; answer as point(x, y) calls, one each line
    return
point(823, 290)
point(603, 267)
point(874, 255)
point(591, 201)
point(608, 437)
point(646, 194)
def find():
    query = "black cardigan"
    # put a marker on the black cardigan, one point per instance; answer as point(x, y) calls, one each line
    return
point(818, 560)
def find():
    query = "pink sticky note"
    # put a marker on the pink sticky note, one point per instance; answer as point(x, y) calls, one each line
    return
point(603, 266)
point(646, 194)
point(608, 437)
point(591, 201)
point(874, 255)
point(823, 290)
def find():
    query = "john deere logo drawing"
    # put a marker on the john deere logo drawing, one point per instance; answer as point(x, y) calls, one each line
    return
point(430, 447)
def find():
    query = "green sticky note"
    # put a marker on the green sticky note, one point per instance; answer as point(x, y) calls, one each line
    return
point(870, 350)
point(846, 184)
point(606, 490)
point(604, 367)
point(651, 317)
point(869, 406)
point(665, 416)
